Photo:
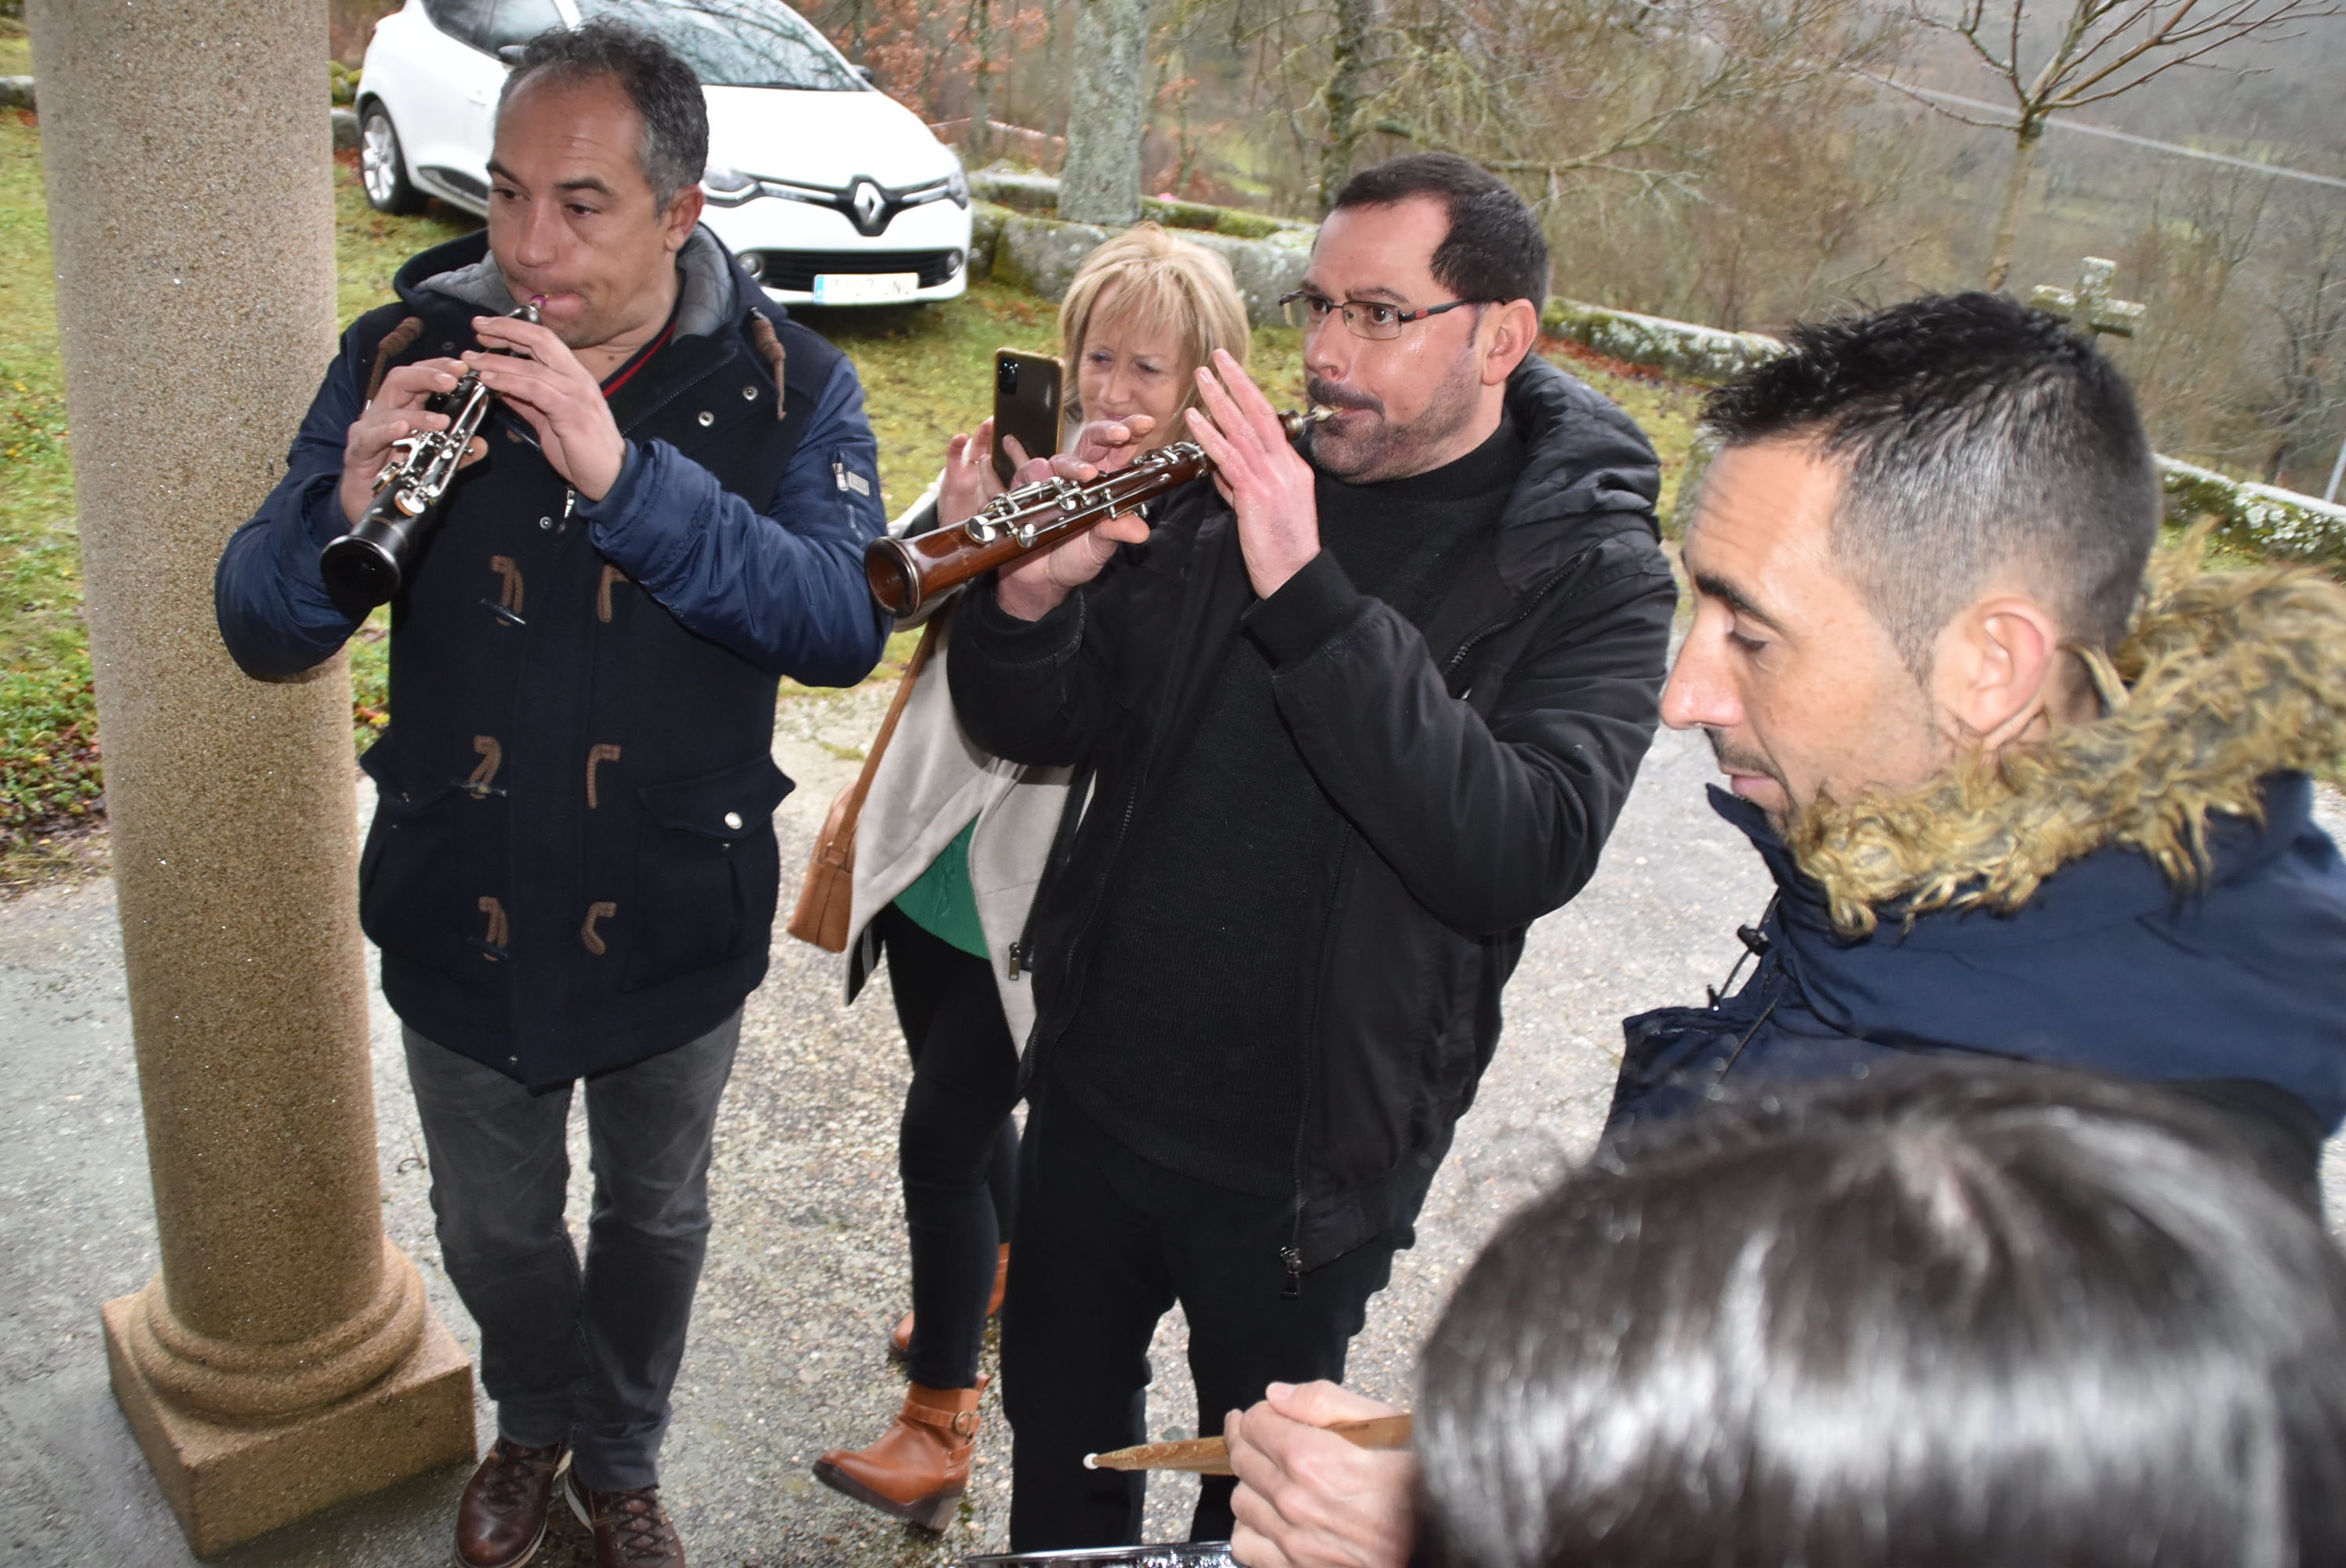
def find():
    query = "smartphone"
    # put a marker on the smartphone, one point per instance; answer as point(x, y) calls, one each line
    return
point(1026, 405)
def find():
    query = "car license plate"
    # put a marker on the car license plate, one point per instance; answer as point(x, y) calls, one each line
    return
point(863, 288)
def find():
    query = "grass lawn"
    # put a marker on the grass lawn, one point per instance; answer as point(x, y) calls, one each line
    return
point(926, 370)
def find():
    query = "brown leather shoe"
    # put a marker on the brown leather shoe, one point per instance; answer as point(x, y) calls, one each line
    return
point(919, 1467)
point(631, 1528)
point(501, 1518)
point(900, 1337)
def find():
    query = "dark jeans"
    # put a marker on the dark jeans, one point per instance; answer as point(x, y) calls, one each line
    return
point(1107, 1243)
point(957, 1148)
point(587, 1359)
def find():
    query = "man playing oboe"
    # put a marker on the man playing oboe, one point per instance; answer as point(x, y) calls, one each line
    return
point(1355, 717)
point(572, 871)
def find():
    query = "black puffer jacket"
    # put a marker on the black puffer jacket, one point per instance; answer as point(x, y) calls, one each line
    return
point(1479, 770)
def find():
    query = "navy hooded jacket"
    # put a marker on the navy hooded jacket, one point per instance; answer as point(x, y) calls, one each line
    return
point(2236, 991)
point(572, 865)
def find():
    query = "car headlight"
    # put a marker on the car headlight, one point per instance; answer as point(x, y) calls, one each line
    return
point(727, 186)
point(957, 186)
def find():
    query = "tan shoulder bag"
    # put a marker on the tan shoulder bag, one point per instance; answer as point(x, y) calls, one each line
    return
point(825, 903)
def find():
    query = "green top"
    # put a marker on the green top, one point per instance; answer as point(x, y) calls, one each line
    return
point(942, 903)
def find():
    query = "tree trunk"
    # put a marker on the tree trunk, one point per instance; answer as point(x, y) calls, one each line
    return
point(1347, 81)
point(1108, 110)
point(2026, 136)
point(977, 147)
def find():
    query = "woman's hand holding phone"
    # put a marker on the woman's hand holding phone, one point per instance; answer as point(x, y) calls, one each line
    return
point(969, 479)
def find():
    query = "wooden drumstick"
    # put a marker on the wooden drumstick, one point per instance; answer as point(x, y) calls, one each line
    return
point(1212, 1456)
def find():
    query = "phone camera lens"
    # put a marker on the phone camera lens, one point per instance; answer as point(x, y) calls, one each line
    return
point(1006, 377)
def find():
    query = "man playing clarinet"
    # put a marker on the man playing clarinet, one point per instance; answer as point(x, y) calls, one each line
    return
point(572, 871)
point(1354, 716)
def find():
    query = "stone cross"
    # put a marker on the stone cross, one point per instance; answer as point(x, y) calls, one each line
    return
point(2090, 306)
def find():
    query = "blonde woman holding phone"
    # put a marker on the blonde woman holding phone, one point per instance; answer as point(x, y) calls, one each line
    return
point(949, 849)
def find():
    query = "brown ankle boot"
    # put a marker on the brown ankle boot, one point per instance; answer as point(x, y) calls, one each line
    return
point(900, 1337)
point(919, 1467)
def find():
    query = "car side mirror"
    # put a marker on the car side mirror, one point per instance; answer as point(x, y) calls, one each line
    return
point(863, 71)
point(511, 54)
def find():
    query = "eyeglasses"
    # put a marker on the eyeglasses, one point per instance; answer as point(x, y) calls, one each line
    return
point(1362, 318)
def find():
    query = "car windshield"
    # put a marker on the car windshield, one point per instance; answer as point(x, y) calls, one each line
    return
point(737, 42)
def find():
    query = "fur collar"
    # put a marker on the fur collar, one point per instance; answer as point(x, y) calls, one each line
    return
point(2225, 678)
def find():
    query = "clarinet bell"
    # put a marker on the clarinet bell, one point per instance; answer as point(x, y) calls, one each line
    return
point(367, 566)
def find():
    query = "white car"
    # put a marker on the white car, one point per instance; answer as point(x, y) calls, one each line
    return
point(828, 190)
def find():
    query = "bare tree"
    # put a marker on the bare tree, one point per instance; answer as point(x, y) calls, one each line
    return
point(978, 145)
point(1342, 97)
point(2100, 50)
point(2308, 315)
point(1554, 92)
point(1107, 111)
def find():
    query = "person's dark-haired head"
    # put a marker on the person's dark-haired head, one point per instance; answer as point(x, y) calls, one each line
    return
point(1421, 302)
point(660, 87)
point(1494, 249)
point(1978, 435)
point(602, 136)
point(1916, 520)
point(1955, 1317)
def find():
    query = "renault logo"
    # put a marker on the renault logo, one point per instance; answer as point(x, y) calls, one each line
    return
point(870, 207)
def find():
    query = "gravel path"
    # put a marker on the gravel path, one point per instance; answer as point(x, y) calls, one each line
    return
point(807, 1264)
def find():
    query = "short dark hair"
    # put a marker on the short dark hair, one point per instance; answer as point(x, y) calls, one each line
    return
point(1948, 1317)
point(1494, 249)
point(662, 88)
point(1976, 433)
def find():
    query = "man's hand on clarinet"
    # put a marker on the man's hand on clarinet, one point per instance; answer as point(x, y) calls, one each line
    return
point(1258, 473)
point(536, 372)
point(1037, 585)
point(1309, 1499)
point(396, 412)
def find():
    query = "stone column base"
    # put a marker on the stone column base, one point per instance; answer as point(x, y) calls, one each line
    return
point(228, 1483)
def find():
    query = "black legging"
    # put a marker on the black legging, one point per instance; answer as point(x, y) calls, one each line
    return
point(957, 1147)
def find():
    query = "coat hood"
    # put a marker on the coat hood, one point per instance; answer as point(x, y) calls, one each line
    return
point(1588, 463)
point(2225, 679)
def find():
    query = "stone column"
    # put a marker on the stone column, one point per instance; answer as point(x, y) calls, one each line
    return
point(283, 1358)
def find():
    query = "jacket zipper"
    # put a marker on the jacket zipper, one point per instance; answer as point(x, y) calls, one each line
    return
point(1539, 592)
point(1291, 1256)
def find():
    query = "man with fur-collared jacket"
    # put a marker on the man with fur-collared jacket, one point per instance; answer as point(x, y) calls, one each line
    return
point(572, 871)
point(2022, 799)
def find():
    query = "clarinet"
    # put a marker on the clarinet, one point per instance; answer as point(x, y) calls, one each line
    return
point(909, 576)
point(367, 566)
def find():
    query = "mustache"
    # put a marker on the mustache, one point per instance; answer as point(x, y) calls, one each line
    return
point(1334, 394)
point(1732, 760)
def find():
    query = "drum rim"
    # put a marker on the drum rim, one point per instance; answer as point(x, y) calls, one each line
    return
point(1107, 1555)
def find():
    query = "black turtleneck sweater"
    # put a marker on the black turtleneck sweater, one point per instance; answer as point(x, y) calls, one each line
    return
point(1188, 1045)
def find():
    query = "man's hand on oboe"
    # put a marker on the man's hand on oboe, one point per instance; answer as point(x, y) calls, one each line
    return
point(396, 412)
point(1258, 473)
point(537, 373)
point(1039, 583)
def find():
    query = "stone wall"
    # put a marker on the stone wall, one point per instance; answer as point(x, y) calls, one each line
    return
point(2256, 517)
point(1041, 254)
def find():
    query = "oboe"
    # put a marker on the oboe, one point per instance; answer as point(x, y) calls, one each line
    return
point(908, 576)
point(365, 566)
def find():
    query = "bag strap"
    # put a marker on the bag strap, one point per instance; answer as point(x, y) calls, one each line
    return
point(913, 667)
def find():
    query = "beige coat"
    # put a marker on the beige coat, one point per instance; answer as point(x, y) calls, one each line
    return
point(930, 783)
